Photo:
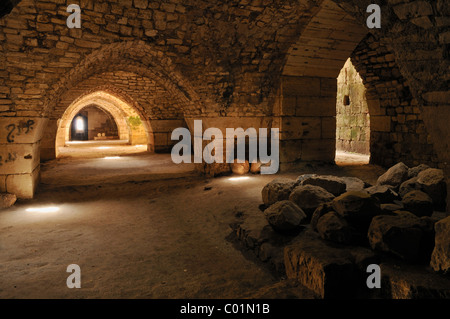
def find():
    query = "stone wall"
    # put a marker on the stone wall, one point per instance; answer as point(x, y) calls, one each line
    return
point(398, 132)
point(307, 110)
point(352, 112)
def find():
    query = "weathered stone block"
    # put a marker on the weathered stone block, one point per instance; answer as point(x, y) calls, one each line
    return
point(394, 176)
point(319, 150)
point(440, 258)
point(402, 234)
point(7, 200)
point(358, 208)
point(285, 216)
point(3, 183)
point(384, 194)
point(329, 271)
point(21, 130)
point(328, 127)
point(300, 86)
point(309, 197)
point(332, 184)
point(161, 139)
point(334, 228)
point(413, 9)
point(294, 128)
point(290, 150)
point(380, 123)
point(288, 105)
point(240, 168)
point(418, 203)
point(277, 190)
point(403, 281)
point(23, 185)
point(328, 87)
point(432, 181)
point(315, 106)
point(19, 158)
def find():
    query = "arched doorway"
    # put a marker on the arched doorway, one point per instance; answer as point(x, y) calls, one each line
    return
point(352, 118)
point(93, 124)
point(307, 94)
point(102, 118)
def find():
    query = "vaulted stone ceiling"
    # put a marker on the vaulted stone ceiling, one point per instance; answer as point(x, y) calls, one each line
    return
point(224, 49)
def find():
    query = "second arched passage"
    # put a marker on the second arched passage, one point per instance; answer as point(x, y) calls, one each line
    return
point(131, 127)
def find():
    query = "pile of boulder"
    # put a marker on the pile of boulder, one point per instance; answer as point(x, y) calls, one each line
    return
point(401, 215)
point(238, 167)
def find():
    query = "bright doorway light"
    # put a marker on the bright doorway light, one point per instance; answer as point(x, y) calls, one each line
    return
point(111, 157)
point(104, 147)
point(50, 209)
point(79, 124)
point(242, 178)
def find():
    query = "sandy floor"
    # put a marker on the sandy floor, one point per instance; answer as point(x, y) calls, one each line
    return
point(162, 238)
point(345, 158)
point(99, 149)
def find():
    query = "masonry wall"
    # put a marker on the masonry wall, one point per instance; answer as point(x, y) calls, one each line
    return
point(398, 132)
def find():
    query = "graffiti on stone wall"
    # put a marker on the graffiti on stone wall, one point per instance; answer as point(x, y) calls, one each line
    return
point(10, 158)
point(23, 127)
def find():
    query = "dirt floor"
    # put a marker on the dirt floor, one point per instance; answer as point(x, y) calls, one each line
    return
point(138, 237)
point(92, 149)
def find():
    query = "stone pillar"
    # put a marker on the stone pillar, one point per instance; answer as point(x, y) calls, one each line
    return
point(162, 132)
point(436, 114)
point(222, 123)
point(20, 139)
point(307, 119)
point(48, 142)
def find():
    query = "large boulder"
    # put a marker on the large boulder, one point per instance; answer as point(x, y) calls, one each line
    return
point(418, 203)
point(414, 171)
point(303, 177)
point(319, 212)
point(408, 186)
point(440, 258)
point(309, 197)
point(383, 193)
point(255, 168)
point(403, 234)
point(394, 176)
point(432, 182)
point(389, 209)
point(327, 270)
point(358, 208)
point(240, 168)
point(276, 190)
point(332, 184)
point(334, 227)
point(285, 216)
point(7, 200)
point(213, 169)
point(353, 184)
